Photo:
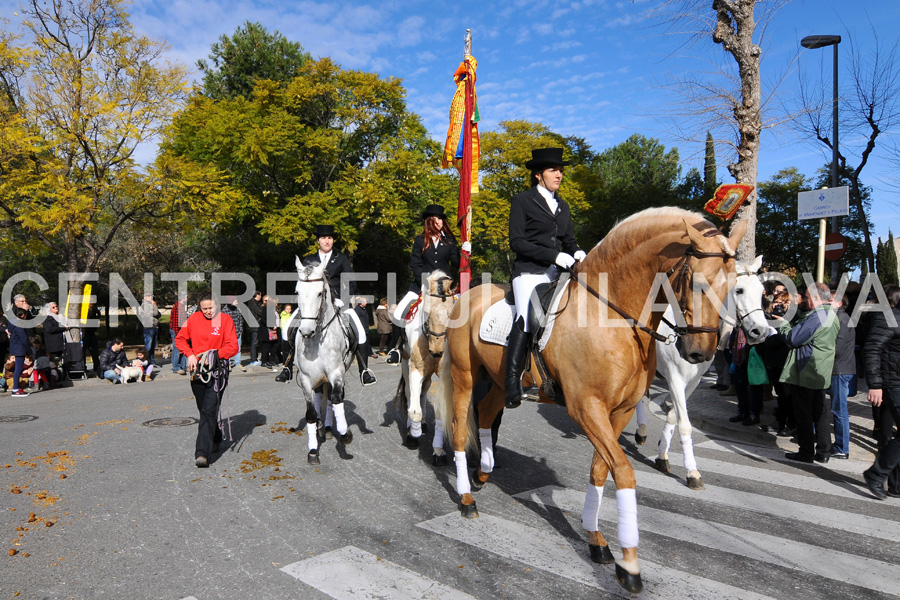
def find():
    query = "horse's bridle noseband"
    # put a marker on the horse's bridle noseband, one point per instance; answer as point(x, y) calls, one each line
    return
point(685, 273)
point(684, 276)
point(317, 318)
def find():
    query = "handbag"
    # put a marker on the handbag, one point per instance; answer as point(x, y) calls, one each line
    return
point(756, 369)
point(273, 335)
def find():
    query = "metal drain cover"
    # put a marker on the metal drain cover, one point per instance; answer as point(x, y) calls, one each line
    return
point(17, 418)
point(170, 422)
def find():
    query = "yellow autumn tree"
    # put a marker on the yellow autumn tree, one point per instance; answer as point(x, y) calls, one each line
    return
point(79, 101)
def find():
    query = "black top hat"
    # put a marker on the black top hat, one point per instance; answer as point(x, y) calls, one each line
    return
point(434, 210)
point(324, 230)
point(544, 158)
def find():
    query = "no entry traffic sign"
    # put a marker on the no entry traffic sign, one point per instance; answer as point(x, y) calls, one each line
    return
point(835, 246)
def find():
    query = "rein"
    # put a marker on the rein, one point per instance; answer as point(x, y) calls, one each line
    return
point(428, 332)
point(317, 318)
point(678, 286)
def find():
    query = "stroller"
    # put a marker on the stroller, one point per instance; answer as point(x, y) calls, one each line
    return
point(73, 358)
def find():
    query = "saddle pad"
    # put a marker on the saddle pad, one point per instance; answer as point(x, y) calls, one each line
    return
point(498, 319)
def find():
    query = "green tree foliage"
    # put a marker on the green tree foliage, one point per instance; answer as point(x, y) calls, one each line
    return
point(92, 91)
point(710, 182)
point(331, 146)
point(787, 244)
point(252, 53)
point(637, 174)
point(886, 261)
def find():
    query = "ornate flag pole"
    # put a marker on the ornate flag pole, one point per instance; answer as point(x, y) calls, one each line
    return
point(462, 150)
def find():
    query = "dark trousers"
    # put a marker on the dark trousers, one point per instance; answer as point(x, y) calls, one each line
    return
point(749, 397)
point(813, 427)
point(92, 348)
point(208, 432)
point(254, 345)
point(887, 463)
point(784, 412)
point(17, 372)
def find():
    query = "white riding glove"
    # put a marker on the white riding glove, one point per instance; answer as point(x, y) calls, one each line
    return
point(579, 256)
point(338, 303)
point(467, 247)
point(565, 260)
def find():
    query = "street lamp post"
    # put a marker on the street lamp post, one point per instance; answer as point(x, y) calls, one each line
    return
point(820, 41)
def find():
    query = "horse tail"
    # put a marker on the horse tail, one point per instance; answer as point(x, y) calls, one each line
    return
point(400, 401)
point(443, 406)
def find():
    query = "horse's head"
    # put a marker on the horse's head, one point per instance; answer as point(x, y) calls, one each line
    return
point(436, 305)
point(313, 295)
point(702, 280)
point(746, 297)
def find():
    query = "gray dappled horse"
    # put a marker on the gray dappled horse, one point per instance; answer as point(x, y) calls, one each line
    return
point(322, 353)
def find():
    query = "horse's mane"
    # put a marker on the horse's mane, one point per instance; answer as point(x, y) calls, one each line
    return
point(629, 232)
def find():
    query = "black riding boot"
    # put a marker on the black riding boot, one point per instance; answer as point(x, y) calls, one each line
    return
point(288, 371)
point(516, 349)
point(366, 376)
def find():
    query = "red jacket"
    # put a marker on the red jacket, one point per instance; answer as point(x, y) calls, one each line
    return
point(200, 334)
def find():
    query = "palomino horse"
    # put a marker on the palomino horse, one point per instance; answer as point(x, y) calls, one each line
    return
point(608, 316)
point(322, 352)
point(744, 308)
point(420, 359)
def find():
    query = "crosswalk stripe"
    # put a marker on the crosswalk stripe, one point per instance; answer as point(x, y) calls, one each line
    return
point(855, 467)
point(771, 505)
point(855, 570)
point(568, 558)
point(772, 477)
point(349, 573)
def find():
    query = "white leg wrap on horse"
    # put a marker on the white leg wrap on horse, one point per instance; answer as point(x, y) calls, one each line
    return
point(487, 450)
point(415, 428)
point(666, 439)
point(687, 447)
point(340, 419)
point(590, 516)
point(462, 473)
point(626, 504)
point(640, 413)
point(438, 434)
point(313, 441)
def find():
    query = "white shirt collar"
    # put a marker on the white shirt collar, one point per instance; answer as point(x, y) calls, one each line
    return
point(324, 258)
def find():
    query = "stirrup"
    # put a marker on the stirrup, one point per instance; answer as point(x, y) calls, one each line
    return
point(362, 377)
point(282, 378)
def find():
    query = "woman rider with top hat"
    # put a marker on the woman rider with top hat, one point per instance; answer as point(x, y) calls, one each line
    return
point(543, 238)
point(435, 249)
point(335, 264)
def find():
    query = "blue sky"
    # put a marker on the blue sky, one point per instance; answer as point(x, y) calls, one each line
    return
point(596, 69)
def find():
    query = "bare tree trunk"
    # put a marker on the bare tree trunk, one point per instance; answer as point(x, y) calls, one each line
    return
point(735, 24)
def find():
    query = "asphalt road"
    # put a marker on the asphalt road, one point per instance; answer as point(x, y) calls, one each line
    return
point(97, 504)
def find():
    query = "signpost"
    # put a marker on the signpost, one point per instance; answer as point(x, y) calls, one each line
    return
point(821, 204)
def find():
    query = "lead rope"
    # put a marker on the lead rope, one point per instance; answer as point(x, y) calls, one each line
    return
point(211, 368)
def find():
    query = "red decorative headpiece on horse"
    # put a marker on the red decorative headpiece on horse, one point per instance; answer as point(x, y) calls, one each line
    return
point(728, 199)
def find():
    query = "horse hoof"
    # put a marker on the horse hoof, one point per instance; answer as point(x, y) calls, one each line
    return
point(313, 457)
point(695, 483)
point(601, 554)
point(468, 511)
point(640, 439)
point(631, 583)
point(439, 460)
point(347, 438)
point(662, 464)
point(411, 442)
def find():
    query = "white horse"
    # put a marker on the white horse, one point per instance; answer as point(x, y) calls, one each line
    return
point(322, 353)
point(744, 307)
point(420, 360)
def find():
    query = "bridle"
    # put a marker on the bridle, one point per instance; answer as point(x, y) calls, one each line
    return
point(739, 318)
point(322, 302)
point(683, 276)
point(429, 334)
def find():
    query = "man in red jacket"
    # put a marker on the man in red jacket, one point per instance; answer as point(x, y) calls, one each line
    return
point(208, 340)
